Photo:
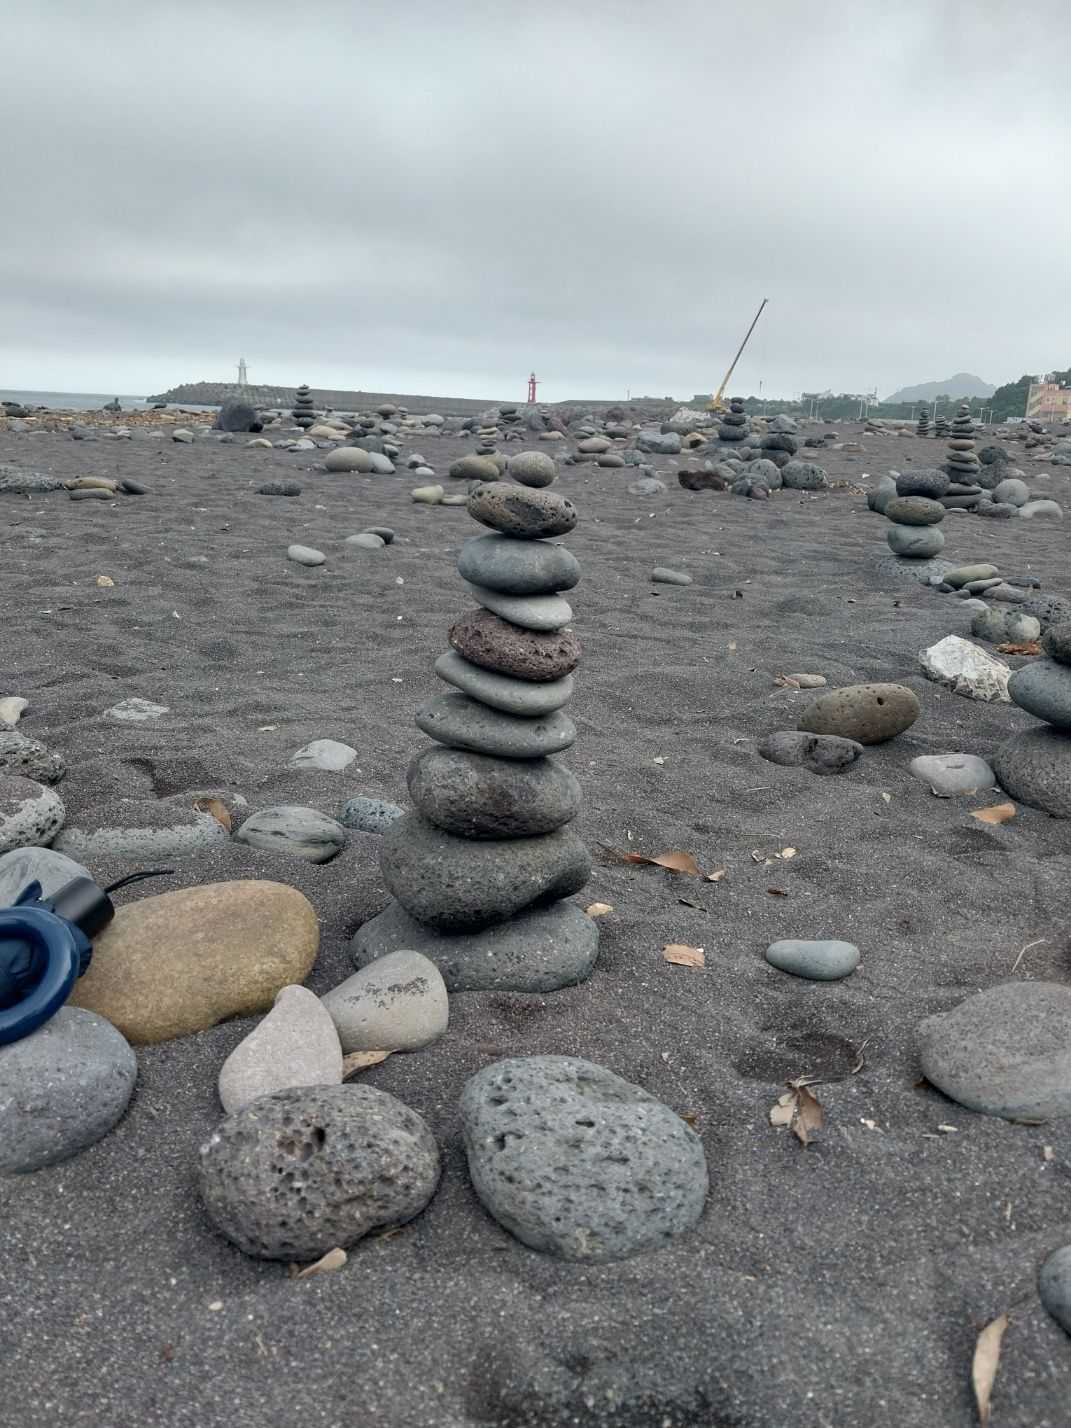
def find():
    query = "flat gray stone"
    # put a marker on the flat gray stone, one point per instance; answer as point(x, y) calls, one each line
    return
point(818, 753)
point(289, 828)
point(1035, 768)
point(531, 612)
point(476, 796)
point(295, 1174)
point(915, 542)
point(536, 951)
point(62, 1089)
point(295, 1044)
point(931, 483)
point(1041, 511)
point(30, 813)
point(1043, 688)
point(1054, 1286)
point(517, 565)
point(502, 691)
point(465, 723)
point(44, 865)
point(369, 815)
point(1004, 1052)
point(139, 828)
point(647, 486)
point(953, 774)
point(577, 1162)
point(662, 575)
point(1057, 643)
point(460, 884)
point(305, 555)
point(960, 575)
point(324, 754)
point(397, 1003)
point(137, 711)
point(365, 541)
point(819, 961)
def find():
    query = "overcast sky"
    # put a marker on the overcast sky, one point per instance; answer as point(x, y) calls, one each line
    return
point(439, 195)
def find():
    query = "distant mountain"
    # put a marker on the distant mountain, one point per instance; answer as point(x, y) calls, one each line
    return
point(963, 384)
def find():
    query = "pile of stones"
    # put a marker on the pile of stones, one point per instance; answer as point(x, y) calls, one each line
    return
point(915, 513)
point(923, 428)
point(963, 464)
point(304, 412)
point(479, 869)
point(940, 426)
point(734, 424)
point(1035, 766)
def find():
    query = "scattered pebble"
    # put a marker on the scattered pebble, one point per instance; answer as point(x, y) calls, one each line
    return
point(865, 713)
point(305, 555)
point(966, 669)
point(398, 1003)
point(821, 961)
point(662, 575)
point(296, 1044)
point(324, 754)
point(953, 774)
point(289, 828)
point(369, 815)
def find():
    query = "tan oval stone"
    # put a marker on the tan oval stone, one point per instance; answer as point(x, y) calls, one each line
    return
point(184, 961)
point(867, 713)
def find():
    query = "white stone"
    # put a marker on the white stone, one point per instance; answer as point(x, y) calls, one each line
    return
point(324, 754)
point(11, 709)
point(397, 1003)
point(296, 1044)
point(137, 711)
point(966, 669)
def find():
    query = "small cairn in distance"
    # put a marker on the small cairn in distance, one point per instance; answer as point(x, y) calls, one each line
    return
point(940, 426)
point(734, 423)
point(923, 428)
point(915, 513)
point(963, 464)
point(303, 412)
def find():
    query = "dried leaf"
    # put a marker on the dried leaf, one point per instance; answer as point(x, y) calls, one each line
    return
point(800, 681)
point(678, 862)
point(105, 581)
point(333, 1259)
point(887, 797)
point(691, 1118)
point(784, 1111)
point(599, 909)
point(939, 793)
point(777, 892)
point(948, 1130)
point(787, 853)
point(999, 813)
point(682, 956)
point(716, 876)
point(731, 645)
point(984, 1366)
point(873, 1125)
point(1027, 647)
point(810, 1116)
point(658, 760)
point(267, 728)
point(217, 810)
point(1047, 1153)
point(360, 1061)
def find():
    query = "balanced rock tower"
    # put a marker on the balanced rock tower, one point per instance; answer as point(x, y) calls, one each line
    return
point(734, 423)
point(304, 413)
point(940, 426)
point(1035, 766)
point(963, 464)
point(923, 428)
point(480, 867)
point(915, 513)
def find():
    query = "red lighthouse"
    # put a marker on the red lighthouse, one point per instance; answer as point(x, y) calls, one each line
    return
point(532, 385)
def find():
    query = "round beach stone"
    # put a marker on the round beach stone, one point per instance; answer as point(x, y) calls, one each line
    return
point(517, 510)
point(536, 951)
point(818, 961)
point(296, 1044)
point(914, 511)
point(30, 813)
point(953, 774)
point(1043, 688)
point(289, 828)
point(1041, 511)
point(818, 753)
point(279, 488)
point(456, 884)
point(997, 510)
point(398, 1003)
point(139, 829)
point(930, 483)
point(385, 533)
point(305, 555)
point(183, 961)
point(867, 713)
point(534, 468)
point(474, 468)
point(464, 723)
point(1012, 492)
point(803, 476)
point(531, 612)
point(915, 542)
point(502, 691)
point(1056, 642)
point(323, 754)
point(1005, 1051)
point(1048, 609)
point(29, 758)
point(1054, 1286)
point(966, 574)
point(577, 1162)
point(662, 575)
point(647, 486)
point(43, 865)
point(474, 796)
point(295, 1174)
point(427, 495)
point(61, 1089)
point(517, 566)
point(366, 814)
point(349, 458)
point(882, 495)
point(494, 643)
point(1035, 768)
point(365, 541)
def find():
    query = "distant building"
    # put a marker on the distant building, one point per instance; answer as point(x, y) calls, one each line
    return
point(1048, 401)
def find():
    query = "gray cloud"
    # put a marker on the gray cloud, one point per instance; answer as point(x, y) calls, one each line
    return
point(426, 197)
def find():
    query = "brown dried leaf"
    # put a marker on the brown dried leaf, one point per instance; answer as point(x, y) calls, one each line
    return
point(999, 813)
point(105, 581)
point(777, 892)
point(676, 861)
point(1027, 647)
point(360, 1061)
point(985, 1364)
point(801, 681)
point(217, 810)
point(599, 909)
point(787, 682)
point(809, 1117)
point(267, 728)
point(691, 1118)
point(333, 1259)
point(683, 956)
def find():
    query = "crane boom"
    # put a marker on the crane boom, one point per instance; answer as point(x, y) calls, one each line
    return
point(716, 404)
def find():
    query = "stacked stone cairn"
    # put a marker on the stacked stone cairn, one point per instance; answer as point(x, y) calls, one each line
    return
point(963, 464)
point(940, 426)
point(304, 412)
point(1035, 767)
point(479, 869)
point(915, 513)
point(734, 424)
point(923, 428)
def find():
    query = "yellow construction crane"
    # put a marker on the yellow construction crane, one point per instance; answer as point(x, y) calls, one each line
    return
point(716, 404)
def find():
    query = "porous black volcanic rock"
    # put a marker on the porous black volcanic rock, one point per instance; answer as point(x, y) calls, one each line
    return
point(517, 510)
point(494, 643)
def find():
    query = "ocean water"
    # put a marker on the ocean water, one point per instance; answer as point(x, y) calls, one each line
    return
point(82, 401)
